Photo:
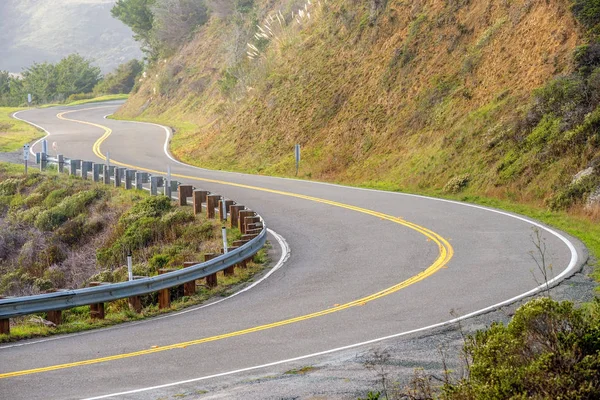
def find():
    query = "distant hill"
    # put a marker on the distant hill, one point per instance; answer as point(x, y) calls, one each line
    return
point(42, 30)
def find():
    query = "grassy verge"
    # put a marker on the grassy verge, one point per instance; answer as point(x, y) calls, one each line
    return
point(14, 133)
point(78, 319)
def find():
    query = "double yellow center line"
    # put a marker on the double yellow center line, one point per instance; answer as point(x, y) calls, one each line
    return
point(445, 254)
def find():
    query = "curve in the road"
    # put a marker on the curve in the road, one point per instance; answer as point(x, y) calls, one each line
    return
point(445, 254)
point(573, 263)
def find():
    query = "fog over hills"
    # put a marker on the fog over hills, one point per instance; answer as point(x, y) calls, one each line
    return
point(48, 30)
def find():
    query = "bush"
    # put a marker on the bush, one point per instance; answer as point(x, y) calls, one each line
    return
point(154, 206)
point(122, 80)
point(549, 350)
point(80, 96)
point(587, 12)
point(574, 193)
point(457, 184)
point(70, 207)
point(9, 187)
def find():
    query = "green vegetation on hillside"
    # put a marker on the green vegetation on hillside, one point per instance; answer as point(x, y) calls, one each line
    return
point(395, 95)
point(72, 79)
point(161, 26)
point(60, 231)
point(549, 350)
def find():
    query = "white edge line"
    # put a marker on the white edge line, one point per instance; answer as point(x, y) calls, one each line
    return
point(36, 125)
point(571, 268)
point(14, 115)
point(285, 255)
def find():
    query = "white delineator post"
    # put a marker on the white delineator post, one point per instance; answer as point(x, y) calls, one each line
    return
point(224, 231)
point(129, 267)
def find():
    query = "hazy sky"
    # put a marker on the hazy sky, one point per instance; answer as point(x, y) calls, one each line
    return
point(48, 30)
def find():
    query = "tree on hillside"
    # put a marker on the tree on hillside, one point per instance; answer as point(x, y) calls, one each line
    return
point(121, 80)
point(161, 25)
point(176, 20)
point(76, 74)
point(137, 15)
point(40, 80)
point(55, 82)
point(11, 90)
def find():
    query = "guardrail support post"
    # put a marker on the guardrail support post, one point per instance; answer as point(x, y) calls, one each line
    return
point(140, 179)
point(199, 197)
point(129, 175)
point(86, 166)
point(242, 219)
point(73, 167)
point(175, 186)
point(211, 280)
point(96, 172)
point(234, 212)
point(106, 175)
point(135, 303)
point(54, 316)
point(5, 326)
point(189, 288)
point(61, 163)
point(96, 310)
point(43, 161)
point(229, 271)
point(164, 295)
point(212, 201)
point(184, 191)
point(154, 185)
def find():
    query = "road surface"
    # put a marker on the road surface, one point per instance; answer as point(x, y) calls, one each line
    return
point(364, 265)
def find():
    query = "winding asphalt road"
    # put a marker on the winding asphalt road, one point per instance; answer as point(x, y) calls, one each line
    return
point(364, 265)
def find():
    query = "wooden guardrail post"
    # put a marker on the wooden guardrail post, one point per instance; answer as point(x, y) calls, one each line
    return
point(234, 212)
point(54, 316)
point(86, 166)
point(97, 310)
point(74, 165)
point(43, 161)
point(106, 175)
point(154, 183)
point(224, 205)
point(189, 288)
point(61, 163)
point(199, 197)
point(184, 191)
point(164, 295)
point(135, 303)
point(229, 271)
point(212, 201)
point(5, 326)
point(96, 173)
point(211, 280)
point(129, 176)
point(242, 219)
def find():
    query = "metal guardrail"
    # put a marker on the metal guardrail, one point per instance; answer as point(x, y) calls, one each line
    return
point(14, 307)
point(64, 299)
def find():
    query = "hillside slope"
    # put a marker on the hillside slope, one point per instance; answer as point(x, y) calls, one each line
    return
point(423, 95)
point(40, 30)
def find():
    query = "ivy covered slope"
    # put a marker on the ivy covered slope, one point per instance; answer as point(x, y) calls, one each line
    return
point(496, 98)
point(62, 232)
